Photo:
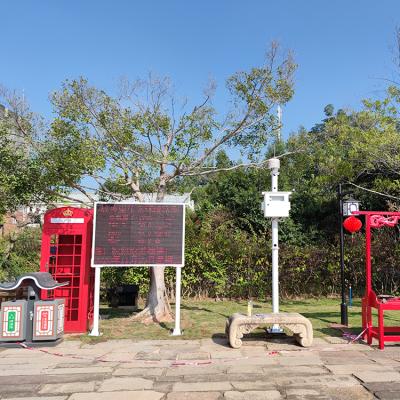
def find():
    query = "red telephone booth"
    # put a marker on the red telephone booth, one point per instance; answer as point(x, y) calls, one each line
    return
point(66, 252)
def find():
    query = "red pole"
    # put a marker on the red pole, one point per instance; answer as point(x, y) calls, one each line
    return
point(368, 254)
point(368, 316)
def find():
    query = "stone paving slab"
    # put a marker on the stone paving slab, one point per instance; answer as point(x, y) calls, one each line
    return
point(236, 378)
point(18, 353)
point(307, 394)
point(122, 395)
point(253, 395)
point(137, 348)
point(90, 353)
point(22, 367)
point(290, 371)
point(27, 388)
point(387, 386)
point(251, 351)
point(321, 380)
point(41, 378)
point(119, 356)
point(250, 385)
point(336, 340)
point(319, 341)
point(351, 368)
point(251, 369)
point(375, 376)
point(193, 356)
point(350, 393)
point(73, 364)
point(41, 398)
point(194, 396)
point(200, 387)
point(348, 360)
point(387, 395)
point(340, 354)
point(299, 354)
point(138, 372)
point(116, 384)
point(88, 370)
point(200, 370)
point(225, 354)
point(122, 343)
point(185, 348)
point(66, 344)
point(10, 372)
point(139, 365)
point(300, 361)
point(265, 360)
point(387, 361)
point(14, 361)
point(68, 387)
point(384, 354)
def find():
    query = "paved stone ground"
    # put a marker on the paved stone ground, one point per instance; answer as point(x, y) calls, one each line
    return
point(358, 372)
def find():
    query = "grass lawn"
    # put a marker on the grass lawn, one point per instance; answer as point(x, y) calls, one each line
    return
point(206, 319)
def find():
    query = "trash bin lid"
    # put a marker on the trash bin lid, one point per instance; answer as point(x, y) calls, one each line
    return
point(43, 280)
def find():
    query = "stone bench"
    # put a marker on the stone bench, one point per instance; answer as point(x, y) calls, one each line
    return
point(239, 324)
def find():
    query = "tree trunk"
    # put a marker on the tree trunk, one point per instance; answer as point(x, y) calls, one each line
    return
point(156, 307)
point(155, 300)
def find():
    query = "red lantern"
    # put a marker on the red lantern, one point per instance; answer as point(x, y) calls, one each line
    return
point(352, 224)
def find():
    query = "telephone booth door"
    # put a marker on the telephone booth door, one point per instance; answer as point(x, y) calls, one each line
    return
point(66, 253)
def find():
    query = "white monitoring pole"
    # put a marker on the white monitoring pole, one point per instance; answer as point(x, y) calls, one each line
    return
point(276, 205)
point(274, 164)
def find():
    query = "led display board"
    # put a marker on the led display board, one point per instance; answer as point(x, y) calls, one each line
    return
point(138, 234)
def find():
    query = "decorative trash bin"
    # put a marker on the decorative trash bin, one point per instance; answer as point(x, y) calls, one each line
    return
point(127, 296)
point(13, 320)
point(32, 321)
point(48, 320)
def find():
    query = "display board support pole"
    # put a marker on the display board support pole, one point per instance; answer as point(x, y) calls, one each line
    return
point(96, 316)
point(177, 330)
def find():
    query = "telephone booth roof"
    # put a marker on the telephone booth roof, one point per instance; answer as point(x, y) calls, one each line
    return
point(70, 215)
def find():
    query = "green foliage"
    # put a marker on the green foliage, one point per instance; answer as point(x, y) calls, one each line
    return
point(24, 257)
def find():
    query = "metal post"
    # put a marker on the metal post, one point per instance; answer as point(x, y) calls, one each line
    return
point(275, 257)
point(95, 328)
point(177, 330)
point(343, 306)
point(33, 295)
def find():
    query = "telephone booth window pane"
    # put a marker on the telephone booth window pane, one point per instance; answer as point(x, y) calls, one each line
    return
point(74, 315)
point(66, 239)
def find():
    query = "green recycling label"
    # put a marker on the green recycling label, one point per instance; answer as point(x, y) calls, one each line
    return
point(11, 321)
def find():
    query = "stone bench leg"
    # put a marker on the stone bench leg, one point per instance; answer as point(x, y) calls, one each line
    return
point(236, 330)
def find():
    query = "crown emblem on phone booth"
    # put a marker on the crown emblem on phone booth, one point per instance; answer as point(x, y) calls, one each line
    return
point(68, 213)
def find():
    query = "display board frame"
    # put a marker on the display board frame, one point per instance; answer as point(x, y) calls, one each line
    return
point(142, 204)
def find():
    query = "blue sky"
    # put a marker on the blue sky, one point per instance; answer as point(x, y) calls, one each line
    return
point(340, 45)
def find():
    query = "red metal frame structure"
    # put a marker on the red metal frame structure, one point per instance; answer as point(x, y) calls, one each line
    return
point(375, 219)
point(66, 254)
